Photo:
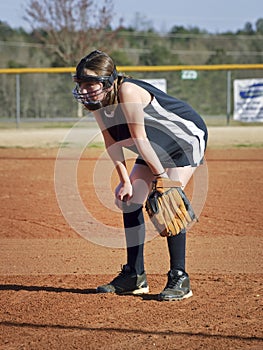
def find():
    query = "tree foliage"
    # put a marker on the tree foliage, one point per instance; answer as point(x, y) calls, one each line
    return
point(63, 31)
point(259, 26)
point(70, 27)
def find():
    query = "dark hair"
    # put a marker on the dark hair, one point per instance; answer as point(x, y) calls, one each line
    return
point(97, 61)
point(103, 65)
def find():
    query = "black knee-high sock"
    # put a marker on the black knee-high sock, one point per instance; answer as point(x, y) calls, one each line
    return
point(176, 246)
point(135, 235)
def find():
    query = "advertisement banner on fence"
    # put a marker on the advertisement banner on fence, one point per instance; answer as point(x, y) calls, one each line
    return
point(159, 83)
point(248, 100)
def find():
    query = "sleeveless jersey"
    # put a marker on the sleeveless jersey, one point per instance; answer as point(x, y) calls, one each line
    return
point(175, 130)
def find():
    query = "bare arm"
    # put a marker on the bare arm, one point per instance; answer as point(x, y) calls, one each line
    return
point(133, 100)
point(115, 152)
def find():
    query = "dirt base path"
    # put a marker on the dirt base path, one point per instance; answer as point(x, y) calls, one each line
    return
point(49, 274)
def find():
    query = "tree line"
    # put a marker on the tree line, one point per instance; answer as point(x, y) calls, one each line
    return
point(63, 31)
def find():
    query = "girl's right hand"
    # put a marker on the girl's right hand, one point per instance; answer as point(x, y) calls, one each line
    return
point(123, 193)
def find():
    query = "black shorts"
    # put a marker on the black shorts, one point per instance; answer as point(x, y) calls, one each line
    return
point(180, 159)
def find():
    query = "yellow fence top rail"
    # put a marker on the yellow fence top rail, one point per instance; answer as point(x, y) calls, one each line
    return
point(136, 68)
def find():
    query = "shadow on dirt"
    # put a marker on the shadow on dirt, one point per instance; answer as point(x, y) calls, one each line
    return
point(127, 330)
point(17, 287)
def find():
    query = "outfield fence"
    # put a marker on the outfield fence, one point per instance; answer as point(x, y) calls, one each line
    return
point(44, 94)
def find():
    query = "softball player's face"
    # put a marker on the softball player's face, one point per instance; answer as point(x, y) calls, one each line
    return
point(93, 91)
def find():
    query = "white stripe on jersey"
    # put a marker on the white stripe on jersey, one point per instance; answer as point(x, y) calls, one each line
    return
point(169, 122)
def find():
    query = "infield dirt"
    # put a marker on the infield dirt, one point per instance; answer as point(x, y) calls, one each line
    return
point(49, 273)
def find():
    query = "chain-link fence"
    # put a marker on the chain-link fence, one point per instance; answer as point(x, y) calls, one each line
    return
point(45, 94)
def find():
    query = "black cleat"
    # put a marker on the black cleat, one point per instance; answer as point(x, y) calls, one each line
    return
point(127, 282)
point(177, 287)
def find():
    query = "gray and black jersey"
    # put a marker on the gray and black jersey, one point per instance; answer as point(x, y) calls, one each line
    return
point(175, 130)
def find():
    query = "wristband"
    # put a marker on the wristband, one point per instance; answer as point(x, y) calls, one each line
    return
point(160, 173)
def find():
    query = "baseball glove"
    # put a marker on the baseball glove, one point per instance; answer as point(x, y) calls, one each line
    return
point(168, 207)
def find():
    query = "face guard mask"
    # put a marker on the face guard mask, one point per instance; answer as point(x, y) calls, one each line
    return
point(86, 99)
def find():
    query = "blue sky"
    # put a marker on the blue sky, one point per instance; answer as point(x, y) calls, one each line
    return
point(214, 16)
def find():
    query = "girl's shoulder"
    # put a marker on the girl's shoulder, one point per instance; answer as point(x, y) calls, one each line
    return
point(152, 89)
point(132, 91)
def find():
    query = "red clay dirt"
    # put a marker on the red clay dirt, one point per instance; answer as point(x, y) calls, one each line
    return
point(49, 273)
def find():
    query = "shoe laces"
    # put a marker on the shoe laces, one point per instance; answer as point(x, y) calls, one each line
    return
point(125, 270)
point(173, 279)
